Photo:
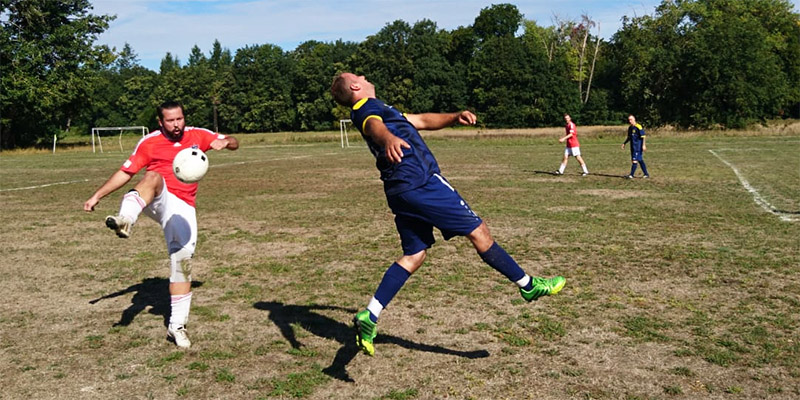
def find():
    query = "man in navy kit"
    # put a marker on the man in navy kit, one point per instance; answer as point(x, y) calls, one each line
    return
point(420, 198)
point(637, 138)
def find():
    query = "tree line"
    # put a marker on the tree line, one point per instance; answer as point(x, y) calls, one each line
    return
point(692, 64)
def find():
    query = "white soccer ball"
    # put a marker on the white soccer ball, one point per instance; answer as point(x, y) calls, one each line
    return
point(190, 165)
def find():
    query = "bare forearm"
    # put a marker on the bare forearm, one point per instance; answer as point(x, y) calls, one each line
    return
point(434, 121)
point(116, 181)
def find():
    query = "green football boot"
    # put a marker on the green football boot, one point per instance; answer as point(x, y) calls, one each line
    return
point(543, 287)
point(366, 330)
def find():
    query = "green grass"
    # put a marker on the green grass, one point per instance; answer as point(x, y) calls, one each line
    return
point(680, 286)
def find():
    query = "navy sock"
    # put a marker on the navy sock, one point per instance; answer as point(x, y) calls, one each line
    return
point(498, 259)
point(394, 279)
point(644, 167)
point(633, 168)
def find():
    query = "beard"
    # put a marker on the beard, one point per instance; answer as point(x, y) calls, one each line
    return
point(172, 136)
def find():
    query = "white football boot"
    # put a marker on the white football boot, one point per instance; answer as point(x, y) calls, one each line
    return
point(120, 225)
point(178, 335)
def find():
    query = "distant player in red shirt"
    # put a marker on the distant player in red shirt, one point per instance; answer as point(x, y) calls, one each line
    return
point(162, 197)
point(573, 147)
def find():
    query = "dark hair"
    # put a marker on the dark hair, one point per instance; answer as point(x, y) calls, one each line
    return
point(168, 105)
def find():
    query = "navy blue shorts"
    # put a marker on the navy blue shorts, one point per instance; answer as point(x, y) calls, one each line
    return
point(435, 204)
point(636, 154)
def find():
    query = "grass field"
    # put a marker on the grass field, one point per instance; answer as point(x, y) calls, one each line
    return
point(683, 286)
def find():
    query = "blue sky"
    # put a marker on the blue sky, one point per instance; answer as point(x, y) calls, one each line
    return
point(154, 28)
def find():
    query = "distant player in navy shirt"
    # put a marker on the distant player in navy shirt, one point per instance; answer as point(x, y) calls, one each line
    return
point(637, 138)
point(420, 198)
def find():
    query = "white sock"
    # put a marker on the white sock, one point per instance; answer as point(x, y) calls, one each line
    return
point(375, 307)
point(132, 205)
point(585, 171)
point(180, 305)
point(524, 281)
point(561, 168)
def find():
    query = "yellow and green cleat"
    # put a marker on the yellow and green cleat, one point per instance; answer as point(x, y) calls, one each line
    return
point(366, 330)
point(542, 287)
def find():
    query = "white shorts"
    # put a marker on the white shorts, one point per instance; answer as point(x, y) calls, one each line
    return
point(178, 220)
point(572, 151)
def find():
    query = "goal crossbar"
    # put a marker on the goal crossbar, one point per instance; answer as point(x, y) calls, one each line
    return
point(96, 132)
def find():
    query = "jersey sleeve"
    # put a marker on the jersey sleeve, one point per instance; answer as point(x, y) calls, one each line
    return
point(138, 159)
point(372, 108)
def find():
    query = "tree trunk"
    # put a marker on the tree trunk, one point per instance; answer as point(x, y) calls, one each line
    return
point(591, 71)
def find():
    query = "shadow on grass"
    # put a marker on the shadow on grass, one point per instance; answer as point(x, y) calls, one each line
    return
point(285, 315)
point(590, 174)
point(153, 292)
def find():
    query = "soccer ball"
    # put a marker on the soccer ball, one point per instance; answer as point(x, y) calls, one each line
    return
point(190, 165)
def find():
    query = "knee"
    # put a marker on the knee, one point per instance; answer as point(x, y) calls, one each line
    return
point(151, 176)
point(180, 267)
point(413, 261)
point(481, 238)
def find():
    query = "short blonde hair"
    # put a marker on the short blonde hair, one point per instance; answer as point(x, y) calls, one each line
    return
point(340, 90)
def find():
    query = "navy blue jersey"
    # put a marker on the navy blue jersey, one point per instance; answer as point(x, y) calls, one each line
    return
point(635, 136)
point(418, 163)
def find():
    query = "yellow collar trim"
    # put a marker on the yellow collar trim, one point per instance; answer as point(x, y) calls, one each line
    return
point(360, 103)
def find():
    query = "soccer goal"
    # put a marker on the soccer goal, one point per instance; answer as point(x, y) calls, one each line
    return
point(343, 132)
point(121, 129)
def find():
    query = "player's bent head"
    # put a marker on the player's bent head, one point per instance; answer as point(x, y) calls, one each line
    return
point(168, 105)
point(340, 90)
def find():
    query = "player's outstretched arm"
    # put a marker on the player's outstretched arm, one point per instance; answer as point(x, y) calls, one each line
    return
point(229, 143)
point(434, 121)
point(117, 180)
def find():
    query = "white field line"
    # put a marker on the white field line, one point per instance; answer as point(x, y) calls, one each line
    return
point(43, 186)
point(762, 202)
point(215, 165)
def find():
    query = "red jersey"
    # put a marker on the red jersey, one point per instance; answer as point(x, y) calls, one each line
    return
point(156, 152)
point(573, 140)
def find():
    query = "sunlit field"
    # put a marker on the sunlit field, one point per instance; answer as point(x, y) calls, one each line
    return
point(685, 285)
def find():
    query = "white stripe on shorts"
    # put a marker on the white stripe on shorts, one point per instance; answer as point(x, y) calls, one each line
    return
point(444, 181)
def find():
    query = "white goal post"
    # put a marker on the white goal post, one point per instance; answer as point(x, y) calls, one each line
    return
point(96, 132)
point(343, 132)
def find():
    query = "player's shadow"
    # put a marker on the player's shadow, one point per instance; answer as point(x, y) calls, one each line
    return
point(285, 315)
point(590, 174)
point(151, 292)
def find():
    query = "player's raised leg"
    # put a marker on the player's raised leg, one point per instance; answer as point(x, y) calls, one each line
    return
point(531, 288)
point(134, 202)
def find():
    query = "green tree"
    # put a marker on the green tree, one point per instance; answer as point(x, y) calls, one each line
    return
point(48, 62)
point(710, 63)
point(384, 58)
point(315, 64)
point(505, 72)
point(438, 85)
point(120, 94)
point(261, 98)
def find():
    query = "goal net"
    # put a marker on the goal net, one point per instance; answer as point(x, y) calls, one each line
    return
point(121, 129)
